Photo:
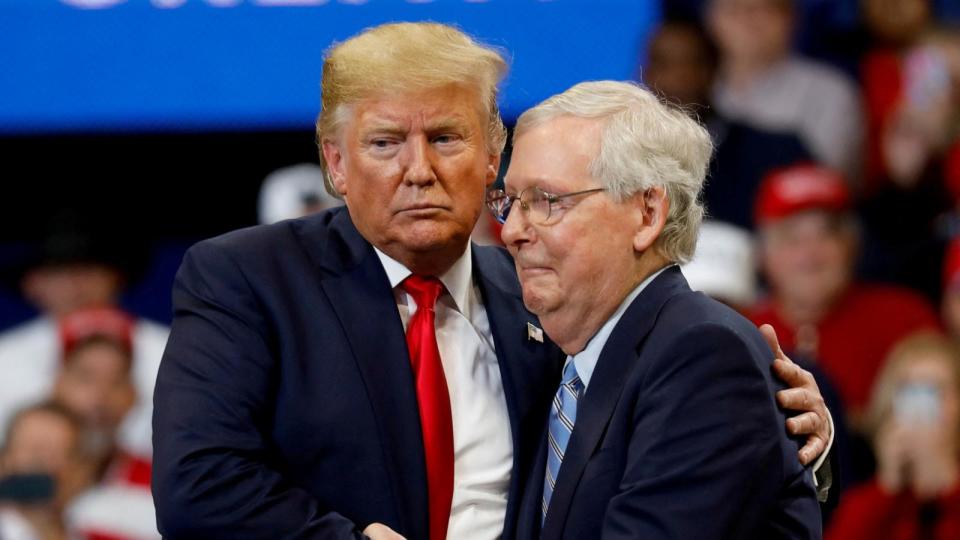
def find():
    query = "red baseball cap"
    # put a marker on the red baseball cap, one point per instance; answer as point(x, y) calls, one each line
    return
point(106, 322)
point(787, 191)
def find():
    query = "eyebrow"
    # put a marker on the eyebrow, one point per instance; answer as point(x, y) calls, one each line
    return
point(390, 128)
point(447, 124)
point(395, 128)
point(540, 182)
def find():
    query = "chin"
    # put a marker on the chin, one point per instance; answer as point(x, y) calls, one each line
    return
point(431, 237)
point(536, 302)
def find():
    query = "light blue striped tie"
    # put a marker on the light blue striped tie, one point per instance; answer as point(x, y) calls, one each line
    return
point(563, 415)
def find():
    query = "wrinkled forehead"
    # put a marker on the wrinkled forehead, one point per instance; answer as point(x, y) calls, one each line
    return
point(452, 103)
point(435, 107)
point(555, 154)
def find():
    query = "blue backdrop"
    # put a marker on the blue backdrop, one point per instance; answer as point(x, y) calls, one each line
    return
point(148, 65)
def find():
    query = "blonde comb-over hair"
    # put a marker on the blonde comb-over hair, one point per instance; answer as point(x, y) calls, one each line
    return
point(400, 58)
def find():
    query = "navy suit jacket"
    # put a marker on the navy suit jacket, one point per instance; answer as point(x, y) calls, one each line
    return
point(678, 434)
point(285, 405)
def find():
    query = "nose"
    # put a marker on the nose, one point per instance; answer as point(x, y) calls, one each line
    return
point(516, 230)
point(418, 162)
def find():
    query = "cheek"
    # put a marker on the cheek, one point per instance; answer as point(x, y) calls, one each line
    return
point(466, 182)
point(777, 261)
point(366, 176)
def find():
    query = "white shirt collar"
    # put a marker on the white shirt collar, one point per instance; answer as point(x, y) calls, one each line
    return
point(586, 360)
point(457, 280)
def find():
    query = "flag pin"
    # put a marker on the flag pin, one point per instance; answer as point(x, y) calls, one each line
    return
point(534, 333)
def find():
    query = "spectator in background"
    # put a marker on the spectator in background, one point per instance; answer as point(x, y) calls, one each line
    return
point(808, 239)
point(681, 67)
point(724, 265)
point(912, 208)
point(43, 453)
point(915, 424)
point(94, 378)
point(292, 192)
point(762, 83)
point(79, 265)
point(95, 384)
point(724, 268)
point(895, 26)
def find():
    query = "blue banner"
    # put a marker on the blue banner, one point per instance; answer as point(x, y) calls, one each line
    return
point(158, 65)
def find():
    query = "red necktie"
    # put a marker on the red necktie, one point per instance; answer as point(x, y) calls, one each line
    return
point(433, 399)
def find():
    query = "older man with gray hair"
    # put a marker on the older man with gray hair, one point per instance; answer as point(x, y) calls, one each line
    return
point(665, 423)
point(367, 371)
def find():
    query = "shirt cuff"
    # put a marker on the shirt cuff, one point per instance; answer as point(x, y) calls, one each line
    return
point(826, 451)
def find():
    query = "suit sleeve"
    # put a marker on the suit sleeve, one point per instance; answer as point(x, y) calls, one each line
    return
point(704, 460)
point(212, 476)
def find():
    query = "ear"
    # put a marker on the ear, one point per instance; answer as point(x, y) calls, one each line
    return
point(493, 167)
point(653, 206)
point(336, 166)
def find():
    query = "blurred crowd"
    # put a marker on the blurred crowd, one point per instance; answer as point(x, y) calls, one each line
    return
point(834, 215)
point(834, 204)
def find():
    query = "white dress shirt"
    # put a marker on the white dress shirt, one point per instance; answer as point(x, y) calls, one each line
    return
point(482, 445)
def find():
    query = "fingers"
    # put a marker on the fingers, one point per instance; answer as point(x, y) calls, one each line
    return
point(792, 374)
point(802, 399)
point(771, 336)
point(806, 424)
point(379, 531)
point(812, 450)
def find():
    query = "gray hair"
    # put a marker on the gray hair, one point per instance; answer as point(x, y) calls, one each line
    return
point(645, 143)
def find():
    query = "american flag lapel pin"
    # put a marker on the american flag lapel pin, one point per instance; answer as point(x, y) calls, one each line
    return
point(534, 333)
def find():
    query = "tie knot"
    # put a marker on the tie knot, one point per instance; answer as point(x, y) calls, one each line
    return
point(570, 376)
point(424, 289)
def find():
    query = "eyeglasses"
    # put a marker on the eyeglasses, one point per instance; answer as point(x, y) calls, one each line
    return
point(537, 203)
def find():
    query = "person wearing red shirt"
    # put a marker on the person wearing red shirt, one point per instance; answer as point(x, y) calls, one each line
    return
point(808, 246)
point(914, 420)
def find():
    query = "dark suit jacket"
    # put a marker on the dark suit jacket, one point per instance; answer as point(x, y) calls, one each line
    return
point(678, 434)
point(285, 405)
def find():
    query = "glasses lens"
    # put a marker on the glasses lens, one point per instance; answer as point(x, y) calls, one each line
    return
point(538, 201)
point(499, 204)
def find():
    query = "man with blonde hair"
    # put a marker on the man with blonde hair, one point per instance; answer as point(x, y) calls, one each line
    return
point(338, 374)
point(365, 371)
point(664, 424)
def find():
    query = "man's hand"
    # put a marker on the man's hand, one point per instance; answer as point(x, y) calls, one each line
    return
point(803, 395)
point(379, 531)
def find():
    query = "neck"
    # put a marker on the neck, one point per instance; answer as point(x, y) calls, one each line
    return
point(573, 326)
point(427, 263)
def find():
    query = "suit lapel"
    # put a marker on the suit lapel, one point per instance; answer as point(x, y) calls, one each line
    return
point(596, 407)
point(360, 293)
point(529, 369)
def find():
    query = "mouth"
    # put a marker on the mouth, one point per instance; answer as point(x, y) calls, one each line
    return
point(532, 271)
point(422, 209)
